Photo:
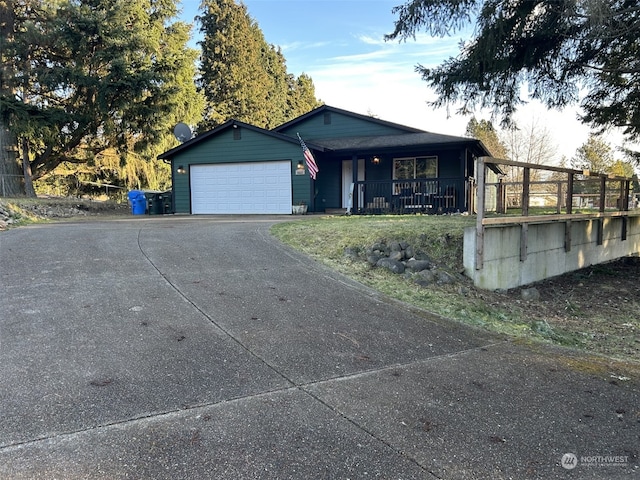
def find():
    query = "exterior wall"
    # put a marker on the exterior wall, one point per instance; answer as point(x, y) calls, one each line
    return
point(340, 126)
point(546, 255)
point(251, 147)
point(450, 163)
point(328, 185)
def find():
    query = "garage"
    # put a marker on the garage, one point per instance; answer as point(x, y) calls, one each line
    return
point(241, 188)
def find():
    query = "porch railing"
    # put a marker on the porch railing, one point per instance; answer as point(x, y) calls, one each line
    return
point(428, 195)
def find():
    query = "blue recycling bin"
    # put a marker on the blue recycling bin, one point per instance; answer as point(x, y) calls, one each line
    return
point(138, 202)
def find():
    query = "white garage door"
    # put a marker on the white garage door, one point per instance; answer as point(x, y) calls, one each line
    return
point(253, 187)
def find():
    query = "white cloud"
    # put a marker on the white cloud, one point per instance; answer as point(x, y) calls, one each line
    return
point(297, 46)
point(363, 57)
point(369, 40)
point(384, 82)
point(393, 92)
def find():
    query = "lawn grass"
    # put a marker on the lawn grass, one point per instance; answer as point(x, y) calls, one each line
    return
point(440, 237)
point(326, 237)
point(559, 317)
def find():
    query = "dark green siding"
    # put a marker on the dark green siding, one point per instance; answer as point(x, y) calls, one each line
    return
point(253, 146)
point(382, 171)
point(450, 163)
point(341, 126)
point(328, 186)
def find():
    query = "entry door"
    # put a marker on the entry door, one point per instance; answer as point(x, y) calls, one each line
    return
point(347, 180)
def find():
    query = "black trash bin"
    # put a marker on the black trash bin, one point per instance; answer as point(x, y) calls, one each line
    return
point(155, 203)
point(167, 202)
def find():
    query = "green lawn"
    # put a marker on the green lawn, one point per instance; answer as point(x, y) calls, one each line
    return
point(440, 237)
point(559, 317)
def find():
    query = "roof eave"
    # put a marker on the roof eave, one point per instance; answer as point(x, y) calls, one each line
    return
point(234, 124)
point(323, 108)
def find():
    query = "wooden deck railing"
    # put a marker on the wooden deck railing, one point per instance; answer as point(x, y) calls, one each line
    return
point(429, 195)
point(563, 212)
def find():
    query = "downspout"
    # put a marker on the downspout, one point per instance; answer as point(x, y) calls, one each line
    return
point(173, 188)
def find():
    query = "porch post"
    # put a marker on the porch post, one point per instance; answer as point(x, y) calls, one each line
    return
point(460, 192)
point(356, 189)
point(312, 200)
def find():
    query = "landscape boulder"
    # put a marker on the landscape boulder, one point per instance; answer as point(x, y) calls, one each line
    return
point(394, 266)
point(396, 255)
point(351, 253)
point(530, 294)
point(444, 278)
point(400, 257)
point(418, 265)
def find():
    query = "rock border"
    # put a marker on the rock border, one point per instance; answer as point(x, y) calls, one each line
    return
point(401, 258)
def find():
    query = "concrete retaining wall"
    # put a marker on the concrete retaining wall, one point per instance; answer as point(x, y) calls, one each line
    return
point(546, 256)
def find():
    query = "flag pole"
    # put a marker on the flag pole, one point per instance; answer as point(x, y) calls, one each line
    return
point(312, 166)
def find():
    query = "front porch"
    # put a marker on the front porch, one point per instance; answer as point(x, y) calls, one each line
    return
point(428, 195)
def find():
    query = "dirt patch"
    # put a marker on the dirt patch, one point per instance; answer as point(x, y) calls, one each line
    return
point(596, 309)
point(20, 211)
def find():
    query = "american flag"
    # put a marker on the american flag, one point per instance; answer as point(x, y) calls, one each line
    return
point(308, 157)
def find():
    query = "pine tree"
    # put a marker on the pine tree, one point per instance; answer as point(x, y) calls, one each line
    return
point(233, 77)
point(594, 155)
point(242, 76)
point(553, 48)
point(484, 131)
point(99, 75)
point(10, 183)
point(301, 96)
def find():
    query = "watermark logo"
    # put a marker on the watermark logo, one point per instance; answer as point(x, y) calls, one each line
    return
point(569, 461)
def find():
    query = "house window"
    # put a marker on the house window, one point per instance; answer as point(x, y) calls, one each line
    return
point(237, 135)
point(411, 169)
point(417, 167)
point(327, 118)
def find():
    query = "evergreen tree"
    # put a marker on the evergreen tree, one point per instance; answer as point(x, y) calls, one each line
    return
point(597, 156)
point(278, 86)
point(242, 76)
point(301, 96)
point(555, 48)
point(10, 175)
point(594, 155)
point(233, 77)
point(484, 131)
point(97, 75)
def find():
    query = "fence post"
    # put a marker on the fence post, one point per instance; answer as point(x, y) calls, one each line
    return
point(501, 204)
point(570, 193)
point(526, 188)
point(480, 189)
point(624, 193)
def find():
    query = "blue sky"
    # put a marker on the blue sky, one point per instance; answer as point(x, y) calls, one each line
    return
point(339, 43)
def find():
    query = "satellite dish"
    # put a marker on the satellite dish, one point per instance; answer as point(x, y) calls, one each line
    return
point(182, 132)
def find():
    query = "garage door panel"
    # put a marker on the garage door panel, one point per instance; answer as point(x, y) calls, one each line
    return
point(263, 187)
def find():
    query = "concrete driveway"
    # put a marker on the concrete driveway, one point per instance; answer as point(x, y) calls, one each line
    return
point(196, 348)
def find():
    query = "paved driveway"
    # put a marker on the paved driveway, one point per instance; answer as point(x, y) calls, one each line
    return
point(187, 348)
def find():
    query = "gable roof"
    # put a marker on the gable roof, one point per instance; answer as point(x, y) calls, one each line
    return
point(233, 124)
point(412, 137)
point(326, 108)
